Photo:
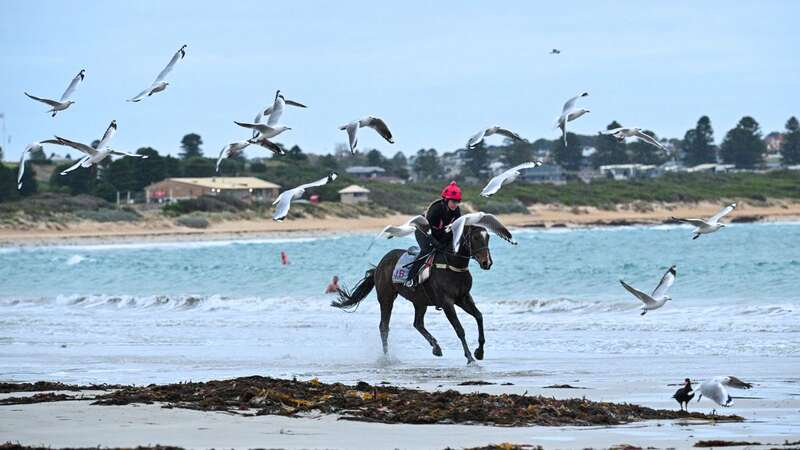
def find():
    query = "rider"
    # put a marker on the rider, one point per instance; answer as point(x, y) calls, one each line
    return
point(440, 214)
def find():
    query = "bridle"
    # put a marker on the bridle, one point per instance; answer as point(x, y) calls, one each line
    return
point(468, 245)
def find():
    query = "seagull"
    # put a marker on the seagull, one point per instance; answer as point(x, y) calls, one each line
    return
point(555, 51)
point(478, 219)
point(264, 131)
point(624, 132)
point(409, 227)
point(370, 121)
point(684, 394)
point(715, 389)
point(267, 144)
point(94, 155)
point(478, 137)
point(284, 201)
point(659, 297)
point(569, 113)
point(30, 148)
point(275, 110)
point(64, 102)
point(507, 177)
point(159, 84)
point(231, 150)
point(708, 226)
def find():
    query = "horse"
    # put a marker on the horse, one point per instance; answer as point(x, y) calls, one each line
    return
point(447, 286)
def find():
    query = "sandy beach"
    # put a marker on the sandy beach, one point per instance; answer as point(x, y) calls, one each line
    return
point(155, 227)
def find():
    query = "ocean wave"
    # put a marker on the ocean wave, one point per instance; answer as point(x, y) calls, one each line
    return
point(182, 245)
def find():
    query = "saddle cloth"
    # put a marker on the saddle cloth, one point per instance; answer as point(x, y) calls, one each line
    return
point(403, 265)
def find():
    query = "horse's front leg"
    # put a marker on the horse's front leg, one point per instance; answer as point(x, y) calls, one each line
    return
point(468, 305)
point(419, 324)
point(450, 312)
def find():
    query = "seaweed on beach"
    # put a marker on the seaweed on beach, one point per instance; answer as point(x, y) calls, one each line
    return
point(37, 398)
point(503, 446)
point(386, 404)
point(721, 443)
point(18, 446)
point(41, 386)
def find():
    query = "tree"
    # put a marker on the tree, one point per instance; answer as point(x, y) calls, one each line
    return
point(515, 153)
point(79, 181)
point(609, 150)
point(427, 165)
point(790, 149)
point(698, 144)
point(569, 156)
point(398, 165)
point(376, 158)
point(641, 152)
point(198, 167)
point(296, 154)
point(258, 167)
point(1, 154)
point(743, 145)
point(190, 145)
point(8, 184)
point(476, 161)
point(327, 162)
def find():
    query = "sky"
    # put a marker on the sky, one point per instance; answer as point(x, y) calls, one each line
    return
point(436, 72)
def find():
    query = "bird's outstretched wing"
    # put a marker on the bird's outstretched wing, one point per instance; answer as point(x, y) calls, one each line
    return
point(613, 131)
point(380, 126)
point(571, 102)
point(46, 101)
point(110, 132)
point(277, 110)
point(294, 103)
point(493, 224)
point(269, 145)
point(74, 84)
point(646, 299)
point(722, 213)
point(284, 201)
point(457, 227)
point(734, 382)
point(321, 182)
point(695, 222)
point(420, 222)
point(508, 133)
point(83, 148)
point(647, 138)
point(476, 138)
point(260, 127)
point(175, 58)
point(124, 153)
point(140, 95)
point(665, 283)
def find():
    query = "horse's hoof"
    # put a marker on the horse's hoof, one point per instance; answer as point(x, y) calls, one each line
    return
point(479, 353)
point(470, 361)
point(437, 351)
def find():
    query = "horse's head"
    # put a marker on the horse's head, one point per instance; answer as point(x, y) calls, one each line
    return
point(477, 240)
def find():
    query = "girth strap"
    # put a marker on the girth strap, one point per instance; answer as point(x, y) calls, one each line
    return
point(449, 267)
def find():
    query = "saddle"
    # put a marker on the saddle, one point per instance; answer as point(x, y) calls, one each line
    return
point(402, 267)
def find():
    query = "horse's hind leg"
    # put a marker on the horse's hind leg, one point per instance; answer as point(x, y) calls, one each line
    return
point(386, 299)
point(468, 305)
point(450, 312)
point(419, 324)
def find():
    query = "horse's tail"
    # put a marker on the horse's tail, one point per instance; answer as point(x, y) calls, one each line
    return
point(349, 299)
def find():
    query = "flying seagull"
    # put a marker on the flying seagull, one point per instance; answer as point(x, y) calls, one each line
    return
point(231, 150)
point(267, 144)
point(159, 84)
point(274, 111)
point(569, 113)
point(684, 394)
point(30, 148)
point(555, 51)
point(284, 201)
point(625, 132)
point(708, 226)
point(64, 102)
point(94, 155)
point(659, 297)
point(370, 121)
point(715, 389)
point(264, 131)
point(478, 219)
point(478, 137)
point(409, 227)
point(506, 177)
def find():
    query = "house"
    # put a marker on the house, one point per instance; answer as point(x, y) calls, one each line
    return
point(249, 189)
point(546, 173)
point(365, 172)
point(628, 171)
point(354, 194)
point(711, 168)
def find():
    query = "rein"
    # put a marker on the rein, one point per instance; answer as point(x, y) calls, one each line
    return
point(471, 255)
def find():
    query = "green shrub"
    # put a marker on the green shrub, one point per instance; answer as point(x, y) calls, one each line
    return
point(205, 203)
point(109, 215)
point(192, 221)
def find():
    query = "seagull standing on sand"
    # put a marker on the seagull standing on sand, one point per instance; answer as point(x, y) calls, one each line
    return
point(684, 394)
point(625, 132)
point(94, 155)
point(284, 201)
point(659, 297)
point(478, 219)
point(477, 138)
point(506, 177)
point(64, 102)
point(715, 389)
point(708, 226)
point(375, 123)
point(413, 224)
point(231, 150)
point(30, 148)
point(275, 110)
point(569, 113)
point(159, 84)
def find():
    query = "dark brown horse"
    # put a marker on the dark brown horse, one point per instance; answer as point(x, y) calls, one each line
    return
point(448, 286)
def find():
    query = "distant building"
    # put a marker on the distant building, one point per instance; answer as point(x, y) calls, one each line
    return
point(354, 194)
point(773, 142)
point(711, 168)
point(546, 173)
point(249, 189)
point(628, 171)
point(366, 172)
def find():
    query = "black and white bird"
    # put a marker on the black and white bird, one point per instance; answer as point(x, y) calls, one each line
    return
point(625, 132)
point(159, 84)
point(708, 226)
point(273, 112)
point(570, 113)
point(94, 155)
point(232, 150)
point(507, 177)
point(715, 389)
point(408, 228)
point(659, 296)
point(64, 102)
point(555, 51)
point(478, 219)
point(375, 123)
point(284, 200)
point(30, 148)
point(684, 394)
point(478, 137)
